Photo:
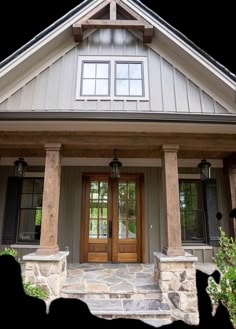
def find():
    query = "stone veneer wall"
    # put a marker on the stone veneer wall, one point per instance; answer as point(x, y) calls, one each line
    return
point(48, 271)
point(176, 277)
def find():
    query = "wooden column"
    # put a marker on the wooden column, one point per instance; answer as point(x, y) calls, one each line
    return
point(50, 207)
point(173, 244)
point(232, 184)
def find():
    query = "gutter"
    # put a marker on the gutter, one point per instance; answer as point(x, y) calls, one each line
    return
point(119, 117)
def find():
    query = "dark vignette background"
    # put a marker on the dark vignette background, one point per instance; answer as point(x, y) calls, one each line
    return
point(211, 26)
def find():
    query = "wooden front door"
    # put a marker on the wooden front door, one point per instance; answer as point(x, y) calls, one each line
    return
point(111, 219)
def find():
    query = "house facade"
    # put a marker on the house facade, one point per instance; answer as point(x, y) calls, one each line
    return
point(112, 80)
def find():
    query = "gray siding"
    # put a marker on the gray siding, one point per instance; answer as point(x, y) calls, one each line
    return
point(54, 88)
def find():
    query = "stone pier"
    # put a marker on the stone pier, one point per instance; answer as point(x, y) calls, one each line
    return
point(50, 271)
point(176, 277)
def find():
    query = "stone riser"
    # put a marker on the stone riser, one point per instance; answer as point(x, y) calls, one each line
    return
point(91, 295)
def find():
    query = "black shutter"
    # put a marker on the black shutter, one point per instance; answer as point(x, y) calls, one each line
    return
point(12, 204)
point(211, 209)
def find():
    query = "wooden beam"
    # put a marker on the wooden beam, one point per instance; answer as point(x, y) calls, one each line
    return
point(113, 24)
point(78, 32)
point(113, 10)
point(147, 34)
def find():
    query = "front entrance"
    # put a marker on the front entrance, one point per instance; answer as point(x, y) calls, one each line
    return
point(111, 218)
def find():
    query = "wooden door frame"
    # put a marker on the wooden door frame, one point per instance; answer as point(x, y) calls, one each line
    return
point(141, 227)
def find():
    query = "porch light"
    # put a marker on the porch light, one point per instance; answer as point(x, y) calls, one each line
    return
point(20, 167)
point(205, 170)
point(115, 165)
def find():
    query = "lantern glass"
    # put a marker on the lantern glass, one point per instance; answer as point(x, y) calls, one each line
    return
point(20, 167)
point(205, 169)
point(115, 165)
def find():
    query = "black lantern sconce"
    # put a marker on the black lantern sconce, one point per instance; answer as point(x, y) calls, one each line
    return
point(115, 165)
point(20, 167)
point(205, 169)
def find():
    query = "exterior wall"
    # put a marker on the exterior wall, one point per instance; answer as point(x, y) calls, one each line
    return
point(54, 88)
point(70, 209)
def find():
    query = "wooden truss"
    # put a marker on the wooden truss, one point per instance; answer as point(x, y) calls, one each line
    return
point(112, 14)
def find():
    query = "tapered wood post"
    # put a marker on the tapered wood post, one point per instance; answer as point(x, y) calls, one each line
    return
point(50, 206)
point(173, 245)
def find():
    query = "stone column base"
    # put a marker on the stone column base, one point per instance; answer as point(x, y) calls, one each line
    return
point(48, 271)
point(176, 277)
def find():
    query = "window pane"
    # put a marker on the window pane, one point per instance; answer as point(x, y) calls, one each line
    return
point(136, 88)
point(88, 87)
point(191, 211)
point(26, 230)
point(89, 70)
point(132, 210)
point(102, 87)
point(26, 200)
point(37, 200)
point(28, 185)
point(38, 185)
point(122, 71)
point(135, 71)
point(122, 87)
point(102, 70)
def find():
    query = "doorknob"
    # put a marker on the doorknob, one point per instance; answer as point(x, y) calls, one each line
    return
point(110, 229)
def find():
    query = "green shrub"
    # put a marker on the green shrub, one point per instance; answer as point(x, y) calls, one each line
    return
point(226, 263)
point(30, 289)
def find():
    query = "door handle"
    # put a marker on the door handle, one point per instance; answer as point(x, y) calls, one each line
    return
point(110, 229)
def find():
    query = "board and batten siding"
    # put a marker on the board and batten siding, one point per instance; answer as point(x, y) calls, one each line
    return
point(54, 89)
point(71, 201)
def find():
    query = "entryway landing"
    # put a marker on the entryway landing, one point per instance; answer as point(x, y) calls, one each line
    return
point(113, 290)
point(92, 278)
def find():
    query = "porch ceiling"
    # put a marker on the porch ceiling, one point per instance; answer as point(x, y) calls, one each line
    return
point(130, 145)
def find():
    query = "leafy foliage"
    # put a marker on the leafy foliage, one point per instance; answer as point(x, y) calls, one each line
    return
point(30, 289)
point(226, 263)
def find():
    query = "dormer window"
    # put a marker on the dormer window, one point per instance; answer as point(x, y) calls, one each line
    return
point(112, 78)
point(129, 79)
point(95, 79)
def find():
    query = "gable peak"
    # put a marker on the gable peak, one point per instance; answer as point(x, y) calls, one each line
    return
point(112, 14)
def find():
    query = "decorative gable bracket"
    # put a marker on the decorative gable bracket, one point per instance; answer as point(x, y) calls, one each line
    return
point(112, 14)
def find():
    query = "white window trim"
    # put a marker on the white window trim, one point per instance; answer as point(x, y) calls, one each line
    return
point(112, 60)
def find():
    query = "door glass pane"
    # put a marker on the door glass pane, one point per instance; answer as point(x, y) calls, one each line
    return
point(132, 229)
point(93, 210)
point(122, 210)
point(132, 210)
point(103, 229)
point(132, 190)
point(191, 211)
point(122, 229)
point(127, 210)
point(98, 209)
point(103, 211)
point(93, 229)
